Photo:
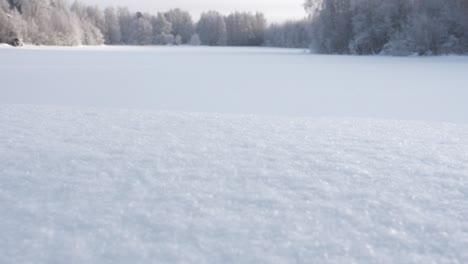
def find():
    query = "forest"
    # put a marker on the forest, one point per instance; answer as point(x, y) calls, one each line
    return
point(391, 27)
point(395, 27)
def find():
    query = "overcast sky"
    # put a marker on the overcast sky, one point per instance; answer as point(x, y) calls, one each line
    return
point(275, 10)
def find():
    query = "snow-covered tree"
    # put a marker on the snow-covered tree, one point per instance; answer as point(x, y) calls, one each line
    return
point(96, 17)
point(125, 23)
point(49, 22)
point(212, 29)
point(65, 26)
point(90, 34)
point(290, 34)
point(36, 14)
point(161, 30)
point(10, 23)
point(142, 30)
point(112, 27)
point(389, 26)
point(182, 24)
point(397, 27)
point(245, 29)
point(332, 25)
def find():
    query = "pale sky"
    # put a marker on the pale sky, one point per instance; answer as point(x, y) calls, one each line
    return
point(274, 10)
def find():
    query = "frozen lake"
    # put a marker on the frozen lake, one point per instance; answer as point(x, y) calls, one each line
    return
point(262, 81)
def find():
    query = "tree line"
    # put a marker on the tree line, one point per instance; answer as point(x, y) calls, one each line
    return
point(395, 27)
point(53, 22)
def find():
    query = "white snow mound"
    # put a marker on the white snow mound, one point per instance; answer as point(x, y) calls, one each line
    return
point(83, 185)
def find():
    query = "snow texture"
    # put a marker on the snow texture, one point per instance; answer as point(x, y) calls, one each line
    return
point(93, 185)
point(84, 180)
point(238, 81)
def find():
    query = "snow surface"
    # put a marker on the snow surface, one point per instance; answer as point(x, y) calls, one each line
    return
point(106, 158)
point(262, 81)
point(93, 185)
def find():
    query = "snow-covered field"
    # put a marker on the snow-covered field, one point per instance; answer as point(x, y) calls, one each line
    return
point(84, 180)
